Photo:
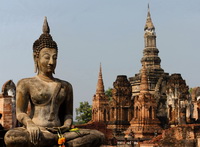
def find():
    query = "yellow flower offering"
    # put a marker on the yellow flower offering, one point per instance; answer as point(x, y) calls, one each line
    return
point(74, 130)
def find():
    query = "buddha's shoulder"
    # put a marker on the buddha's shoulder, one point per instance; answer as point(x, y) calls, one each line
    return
point(64, 83)
point(26, 81)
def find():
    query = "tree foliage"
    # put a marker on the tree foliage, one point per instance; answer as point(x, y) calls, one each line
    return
point(190, 90)
point(108, 93)
point(84, 113)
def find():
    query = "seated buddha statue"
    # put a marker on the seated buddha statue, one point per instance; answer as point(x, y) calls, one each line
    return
point(51, 105)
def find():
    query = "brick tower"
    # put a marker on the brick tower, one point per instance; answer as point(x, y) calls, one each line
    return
point(7, 105)
point(100, 112)
point(120, 106)
point(156, 76)
point(144, 123)
point(150, 59)
point(178, 101)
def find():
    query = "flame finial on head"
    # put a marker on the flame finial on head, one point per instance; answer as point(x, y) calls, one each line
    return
point(45, 40)
point(45, 28)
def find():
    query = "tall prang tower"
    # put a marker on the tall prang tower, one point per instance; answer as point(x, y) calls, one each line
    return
point(156, 77)
point(150, 60)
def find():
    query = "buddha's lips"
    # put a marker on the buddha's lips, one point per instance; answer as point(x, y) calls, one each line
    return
point(50, 67)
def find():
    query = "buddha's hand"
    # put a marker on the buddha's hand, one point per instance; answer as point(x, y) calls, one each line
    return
point(61, 129)
point(34, 132)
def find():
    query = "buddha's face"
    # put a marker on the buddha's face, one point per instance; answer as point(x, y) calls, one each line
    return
point(47, 60)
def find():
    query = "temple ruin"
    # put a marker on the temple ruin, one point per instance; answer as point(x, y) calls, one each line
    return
point(151, 101)
point(152, 104)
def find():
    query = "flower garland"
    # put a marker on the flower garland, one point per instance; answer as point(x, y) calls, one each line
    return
point(61, 139)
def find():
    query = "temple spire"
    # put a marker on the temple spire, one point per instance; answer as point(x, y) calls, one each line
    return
point(100, 85)
point(45, 28)
point(144, 81)
point(149, 24)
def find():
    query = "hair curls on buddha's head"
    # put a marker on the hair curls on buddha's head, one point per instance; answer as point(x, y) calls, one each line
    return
point(45, 41)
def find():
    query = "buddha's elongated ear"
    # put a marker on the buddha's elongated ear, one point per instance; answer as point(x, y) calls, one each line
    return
point(35, 57)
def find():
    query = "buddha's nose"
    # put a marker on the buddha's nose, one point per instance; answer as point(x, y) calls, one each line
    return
point(51, 61)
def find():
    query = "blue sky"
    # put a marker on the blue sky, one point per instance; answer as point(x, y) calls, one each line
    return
point(92, 31)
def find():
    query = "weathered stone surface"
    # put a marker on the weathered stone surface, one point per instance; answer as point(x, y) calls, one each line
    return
point(178, 137)
point(195, 94)
point(143, 106)
point(144, 123)
point(100, 109)
point(178, 100)
point(154, 92)
point(7, 105)
point(120, 106)
point(156, 76)
point(51, 105)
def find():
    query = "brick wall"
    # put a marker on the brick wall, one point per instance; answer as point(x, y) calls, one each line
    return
point(8, 112)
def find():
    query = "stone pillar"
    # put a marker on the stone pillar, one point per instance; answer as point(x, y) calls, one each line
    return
point(8, 119)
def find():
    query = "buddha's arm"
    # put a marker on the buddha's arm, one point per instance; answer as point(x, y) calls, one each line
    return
point(68, 119)
point(22, 100)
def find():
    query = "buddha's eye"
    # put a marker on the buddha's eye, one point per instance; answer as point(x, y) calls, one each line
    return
point(46, 56)
point(54, 57)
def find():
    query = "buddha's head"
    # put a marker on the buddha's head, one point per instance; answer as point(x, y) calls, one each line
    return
point(45, 52)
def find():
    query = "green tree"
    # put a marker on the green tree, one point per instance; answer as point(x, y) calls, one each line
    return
point(190, 90)
point(108, 93)
point(84, 113)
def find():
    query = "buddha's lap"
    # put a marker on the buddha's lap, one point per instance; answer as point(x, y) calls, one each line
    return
point(23, 134)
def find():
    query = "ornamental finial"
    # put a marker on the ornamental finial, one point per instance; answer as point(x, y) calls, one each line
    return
point(45, 28)
point(149, 24)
